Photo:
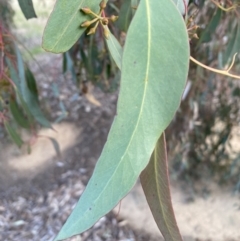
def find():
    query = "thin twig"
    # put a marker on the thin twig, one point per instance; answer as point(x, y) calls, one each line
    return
point(218, 71)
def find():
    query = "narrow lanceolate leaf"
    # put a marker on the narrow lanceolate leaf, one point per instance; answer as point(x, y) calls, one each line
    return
point(30, 97)
point(68, 65)
point(155, 183)
point(125, 15)
point(27, 8)
point(233, 45)
point(63, 28)
point(18, 114)
point(211, 27)
point(115, 49)
point(56, 146)
point(134, 4)
point(154, 72)
point(13, 134)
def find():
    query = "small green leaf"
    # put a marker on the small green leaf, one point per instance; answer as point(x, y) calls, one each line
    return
point(233, 45)
point(149, 96)
point(68, 65)
point(31, 82)
point(211, 27)
point(13, 134)
point(115, 49)
point(27, 8)
point(125, 16)
point(155, 183)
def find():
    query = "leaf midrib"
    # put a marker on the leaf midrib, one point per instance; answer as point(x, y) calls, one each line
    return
point(65, 29)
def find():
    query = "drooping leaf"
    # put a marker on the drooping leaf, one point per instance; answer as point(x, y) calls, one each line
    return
point(18, 114)
point(63, 28)
point(15, 78)
point(152, 82)
point(13, 134)
point(211, 27)
point(25, 106)
point(56, 146)
point(68, 65)
point(30, 99)
point(233, 45)
point(27, 8)
point(31, 82)
point(125, 15)
point(155, 184)
point(115, 49)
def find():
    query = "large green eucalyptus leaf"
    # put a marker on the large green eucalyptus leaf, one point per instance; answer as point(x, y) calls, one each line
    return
point(155, 183)
point(154, 72)
point(63, 28)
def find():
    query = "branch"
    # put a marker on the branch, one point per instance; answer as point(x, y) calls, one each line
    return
point(218, 71)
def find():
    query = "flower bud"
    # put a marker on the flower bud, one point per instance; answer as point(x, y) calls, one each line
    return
point(113, 18)
point(106, 32)
point(102, 4)
point(86, 24)
point(86, 10)
point(91, 31)
point(105, 21)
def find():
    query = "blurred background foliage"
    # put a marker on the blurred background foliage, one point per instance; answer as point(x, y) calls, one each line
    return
point(202, 139)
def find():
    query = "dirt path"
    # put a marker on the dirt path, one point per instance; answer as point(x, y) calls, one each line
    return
point(213, 216)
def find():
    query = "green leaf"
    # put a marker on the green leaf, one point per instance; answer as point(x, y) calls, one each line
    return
point(13, 134)
point(115, 49)
point(211, 27)
point(125, 16)
point(154, 72)
point(31, 82)
point(15, 78)
point(13, 73)
point(30, 98)
point(18, 115)
point(233, 45)
point(27, 8)
point(155, 183)
point(63, 27)
point(24, 106)
point(68, 65)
